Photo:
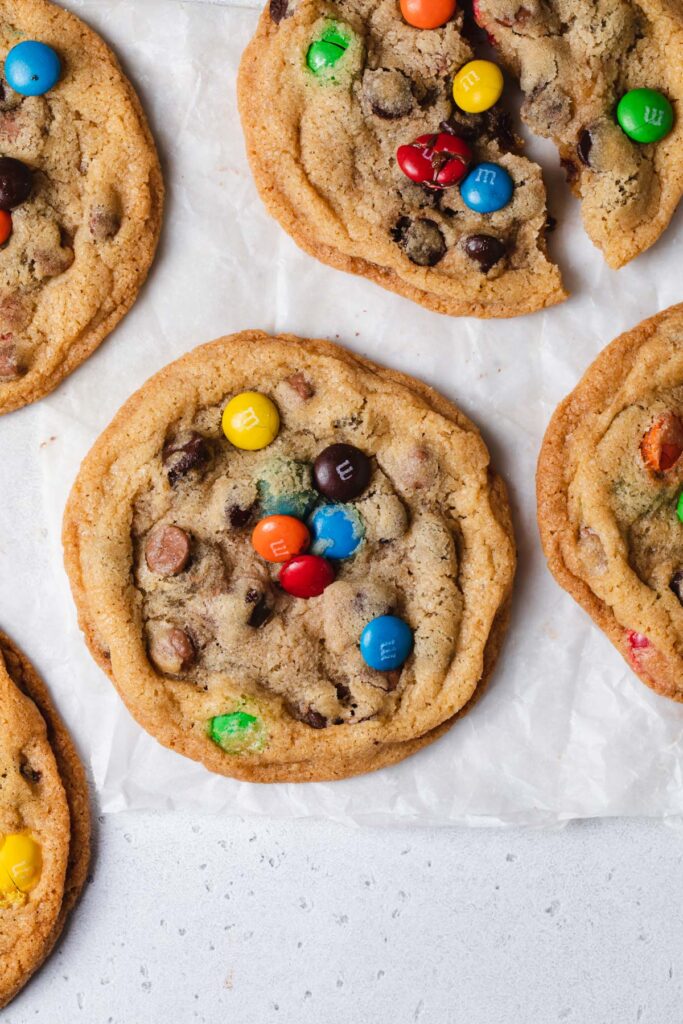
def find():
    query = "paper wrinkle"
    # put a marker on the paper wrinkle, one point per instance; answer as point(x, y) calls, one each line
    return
point(565, 729)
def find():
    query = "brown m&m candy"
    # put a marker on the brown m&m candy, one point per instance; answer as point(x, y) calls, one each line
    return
point(341, 472)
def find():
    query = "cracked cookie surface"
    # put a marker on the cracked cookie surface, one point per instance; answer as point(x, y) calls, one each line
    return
point(611, 524)
point(575, 60)
point(44, 822)
point(83, 241)
point(194, 626)
point(323, 152)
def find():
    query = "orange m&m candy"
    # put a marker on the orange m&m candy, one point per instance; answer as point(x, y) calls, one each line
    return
point(5, 225)
point(279, 538)
point(428, 13)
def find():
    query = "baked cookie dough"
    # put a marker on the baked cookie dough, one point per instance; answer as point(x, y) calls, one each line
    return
point(328, 93)
point(610, 480)
point(576, 60)
point(44, 822)
point(293, 564)
point(80, 195)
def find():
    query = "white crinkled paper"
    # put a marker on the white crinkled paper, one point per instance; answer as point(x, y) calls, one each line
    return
point(565, 730)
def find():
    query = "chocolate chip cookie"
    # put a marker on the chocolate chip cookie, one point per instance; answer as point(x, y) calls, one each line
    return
point(360, 152)
point(44, 822)
point(610, 505)
point(293, 564)
point(80, 197)
point(602, 78)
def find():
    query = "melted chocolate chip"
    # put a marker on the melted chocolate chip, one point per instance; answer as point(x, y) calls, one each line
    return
point(183, 454)
point(309, 716)
point(421, 240)
point(29, 773)
point(239, 517)
point(277, 10)
point(570, 169)
point(584, 145)
point(301, 385)
point(676, 584)
point(262, 609)
point(486, 250)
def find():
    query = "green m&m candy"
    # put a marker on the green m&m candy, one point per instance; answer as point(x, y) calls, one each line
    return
point(326, 51)
point(237, 732)
point(679, 506)
point(645, 115)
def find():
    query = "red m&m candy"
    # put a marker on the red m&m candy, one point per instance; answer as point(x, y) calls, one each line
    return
point(306, 575)
point(436, 161)
point(278, 538)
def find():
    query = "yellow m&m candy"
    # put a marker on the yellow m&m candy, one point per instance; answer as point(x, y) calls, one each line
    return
point(251, 421)
point(20, 865)
point(477, 86)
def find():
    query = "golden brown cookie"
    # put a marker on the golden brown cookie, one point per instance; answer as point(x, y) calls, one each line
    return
point(610, 478)
point(80, 172)
point(322, 147)
point(576, 59)
point(44, 822)
point(214, 649)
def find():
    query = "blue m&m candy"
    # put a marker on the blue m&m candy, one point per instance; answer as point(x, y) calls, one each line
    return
point(337, 531)
point(487, 188)
point(32, 68)
point(386, 642)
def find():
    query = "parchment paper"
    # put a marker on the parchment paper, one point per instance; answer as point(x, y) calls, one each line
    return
point(566, 730)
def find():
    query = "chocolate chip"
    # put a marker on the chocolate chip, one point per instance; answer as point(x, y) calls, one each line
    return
point(167, 550)
point(15, 182)
point(185, 453)
point(486, 250)
point(676, 584)
point(583, 146)
point(277, 10)
point(388, 93)
point(309, 716)
point(341, 472)
point(28, 772)
point(172, 650)
point(104, 222)
point(343, 692)
point(262, 609)
point(301, 385)
point(10, 367)
point(421, 240)
point(239, 517)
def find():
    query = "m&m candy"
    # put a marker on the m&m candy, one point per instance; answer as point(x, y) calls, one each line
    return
point(487, 188)
point(237, 732)
point(645, 115)
point(32, 68)
point(428, 13)
point(5, 226)
point(279, 538)
point(679, 507)
point(21, 863)
point(341, 472)
point(306, 576)
point(326, 51)
point(337, 530)
point(386, 642)
point(251, 421)
point(477, 86)
point(436, 161)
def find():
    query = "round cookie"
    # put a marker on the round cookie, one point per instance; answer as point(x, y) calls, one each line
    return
point(337, 148)
point(210, 654)
point(580, 64)
point(610, 476)
point(43, 798)
point(82, 241)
